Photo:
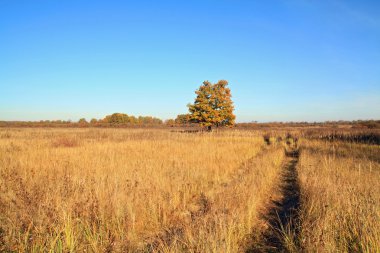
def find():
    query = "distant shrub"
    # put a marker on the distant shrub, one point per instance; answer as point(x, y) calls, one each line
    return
point(266, 139)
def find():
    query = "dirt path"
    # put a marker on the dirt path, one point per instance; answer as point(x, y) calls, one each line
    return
point(282, 218)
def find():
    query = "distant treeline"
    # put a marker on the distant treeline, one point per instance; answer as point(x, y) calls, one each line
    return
point(183, 120)
point(359, 124)
point(113, 120)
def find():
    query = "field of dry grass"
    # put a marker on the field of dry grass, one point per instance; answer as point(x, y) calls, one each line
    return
point(131, 190)
point(141, 190)
point(340, 205)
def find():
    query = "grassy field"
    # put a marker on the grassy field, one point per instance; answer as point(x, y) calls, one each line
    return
point(340, 186)
point(141, 190)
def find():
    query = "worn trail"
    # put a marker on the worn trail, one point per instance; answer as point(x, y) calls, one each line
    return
point(282, 218)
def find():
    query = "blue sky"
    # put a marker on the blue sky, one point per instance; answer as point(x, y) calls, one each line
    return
point(293, 60)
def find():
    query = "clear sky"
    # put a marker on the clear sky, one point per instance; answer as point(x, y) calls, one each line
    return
point(289, 60)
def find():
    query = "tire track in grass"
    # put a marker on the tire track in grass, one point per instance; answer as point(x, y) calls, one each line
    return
point(202, 207)
point(282, 218)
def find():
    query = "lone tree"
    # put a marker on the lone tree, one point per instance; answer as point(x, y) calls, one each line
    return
point(213, 105)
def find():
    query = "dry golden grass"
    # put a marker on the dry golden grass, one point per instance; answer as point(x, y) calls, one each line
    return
point(98, 190)
point(340, 187)
point(141, 190)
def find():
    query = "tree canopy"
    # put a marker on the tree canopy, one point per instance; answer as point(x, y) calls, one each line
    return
point(183, 119)
point(122, 118)
point(213, 105)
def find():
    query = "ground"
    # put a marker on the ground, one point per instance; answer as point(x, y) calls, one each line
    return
point(160, 190)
